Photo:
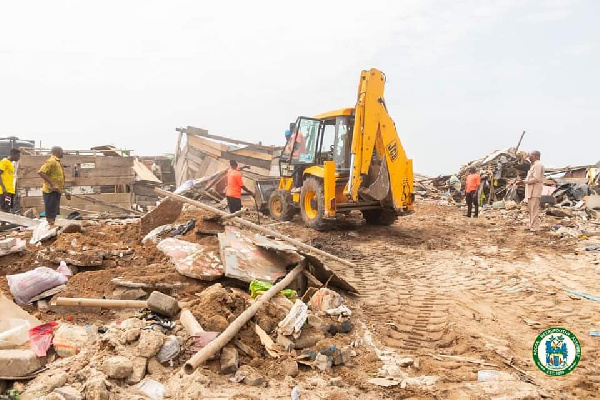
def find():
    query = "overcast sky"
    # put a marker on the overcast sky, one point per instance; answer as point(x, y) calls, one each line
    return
point(464, 77)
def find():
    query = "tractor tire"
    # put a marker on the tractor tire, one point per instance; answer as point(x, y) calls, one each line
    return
point(380, 217)
point(312, 204)
point(281, 207)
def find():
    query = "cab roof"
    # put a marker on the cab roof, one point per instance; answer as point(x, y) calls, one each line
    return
point(336, 113)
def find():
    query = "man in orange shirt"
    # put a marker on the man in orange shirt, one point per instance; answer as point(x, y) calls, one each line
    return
point(472, 189)
point(234, 188)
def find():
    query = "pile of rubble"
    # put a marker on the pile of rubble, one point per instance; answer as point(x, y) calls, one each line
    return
point(140, 331)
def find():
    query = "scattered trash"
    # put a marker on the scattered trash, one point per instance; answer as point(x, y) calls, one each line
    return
point(40, 337)
point(296, 393)
point(325, 299)
point(64, 269)
point(155, 234)
point(42, 232)
point(341, 310)
point(151, 388)
point(293, 322)
point(192, 260)
point(592, 248)
point(585, 296)
point(169, 350)
point(487, 375)
point(258, 288)
point(29, 284)
point(182, 229)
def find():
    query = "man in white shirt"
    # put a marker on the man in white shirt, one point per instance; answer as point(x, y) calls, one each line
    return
point(533, 189)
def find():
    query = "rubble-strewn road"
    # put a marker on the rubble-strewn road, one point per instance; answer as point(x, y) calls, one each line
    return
point(455, 293)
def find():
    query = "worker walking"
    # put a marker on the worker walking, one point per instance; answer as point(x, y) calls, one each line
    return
point(53, 186)
point(533, 189)
point(472, 184)
point(235, 185)
point(7, 179)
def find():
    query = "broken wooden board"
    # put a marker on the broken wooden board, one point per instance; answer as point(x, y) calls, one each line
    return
point(48, 293)
point(324, 274)
point(165, 213)
point(145, 285)
point(192, 260)
point(244, 260)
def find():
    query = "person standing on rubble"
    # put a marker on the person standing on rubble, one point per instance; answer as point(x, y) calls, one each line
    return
point(472, 184)
point(53, 186)
point(7, 179)
point(235, 185)
point(533, 189)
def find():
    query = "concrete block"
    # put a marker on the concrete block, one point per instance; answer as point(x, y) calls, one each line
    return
point(117, 367)
point(162, 304)
point(6, 244)
point(230, 360)
point(139, 370)
point(19, 362)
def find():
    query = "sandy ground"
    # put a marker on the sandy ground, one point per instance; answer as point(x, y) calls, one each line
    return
point(456, 295)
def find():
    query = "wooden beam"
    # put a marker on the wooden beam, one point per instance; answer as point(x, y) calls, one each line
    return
point(104, 203)
point(190, 130)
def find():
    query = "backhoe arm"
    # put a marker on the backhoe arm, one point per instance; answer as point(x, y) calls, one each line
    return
point(375, 130)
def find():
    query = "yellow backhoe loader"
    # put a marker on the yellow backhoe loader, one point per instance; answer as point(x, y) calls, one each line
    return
point(344, 160)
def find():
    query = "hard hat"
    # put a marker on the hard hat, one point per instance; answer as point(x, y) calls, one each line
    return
point(288, 133)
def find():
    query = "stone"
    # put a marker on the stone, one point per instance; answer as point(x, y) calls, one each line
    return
point(230, 360)
point(162, 304)
point(217, 323)
point(121, 293)
point(346, 326)
point(139, 370)
point(6, 244)
point(316, 322)
point(133, 334)
point(383, 382)
point(155, 367)
point(169, 350)
point(337, 381)
point(405, 362)
point(289, 368)
point(117, 367)
point(69, 225)
point(68, 393)
point(308, 338)
point(150, 343)
point(95, 389)
point(347, 353)
point(54, 396)
point(285, 342)
point(334, 354)
point(323, 363)
point(44, 385)
point(19, 362)
point(251, 376)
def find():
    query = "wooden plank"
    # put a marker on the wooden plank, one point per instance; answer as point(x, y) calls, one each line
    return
point(102, 202)
point(120, 199)
point(190, 130)
point(254, 154)
point(143, 173)
point(206, 146)
point(242, 159)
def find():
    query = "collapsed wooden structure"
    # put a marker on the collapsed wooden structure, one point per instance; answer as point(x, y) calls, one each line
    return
point(200, 154)
point(102, 180)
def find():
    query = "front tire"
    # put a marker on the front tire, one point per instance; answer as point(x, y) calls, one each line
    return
point(281, 207)
point(312, 203)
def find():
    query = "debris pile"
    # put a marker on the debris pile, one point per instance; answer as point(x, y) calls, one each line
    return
point(125, 320)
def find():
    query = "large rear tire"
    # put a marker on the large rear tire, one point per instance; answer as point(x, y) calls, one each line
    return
point(281, 206)
point(380, 217)
point(312, 204)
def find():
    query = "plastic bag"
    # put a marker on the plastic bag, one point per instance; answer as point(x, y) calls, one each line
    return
point(13, 332)
point(325, 299)
point(155, 234)
point(41, 338)
point(259, 287)
point(293, 322)
point(64, 269)
point(29, 284)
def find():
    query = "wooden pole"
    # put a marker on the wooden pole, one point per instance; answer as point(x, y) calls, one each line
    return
point(261, 229)
point(104, 303)
point(228, 334)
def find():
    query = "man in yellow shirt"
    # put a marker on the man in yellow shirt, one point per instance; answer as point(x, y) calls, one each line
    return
point(7, 180)
point(53, 176)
